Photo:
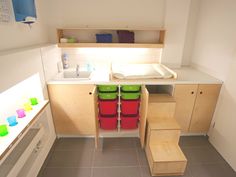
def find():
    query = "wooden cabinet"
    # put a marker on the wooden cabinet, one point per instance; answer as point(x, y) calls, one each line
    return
point(144, 38)
point(73, 108)
point(204, 108)
point(195, 106)
point(75, 112)
point(185, 98)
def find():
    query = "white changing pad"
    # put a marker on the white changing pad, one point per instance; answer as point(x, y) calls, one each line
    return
point(142, 71)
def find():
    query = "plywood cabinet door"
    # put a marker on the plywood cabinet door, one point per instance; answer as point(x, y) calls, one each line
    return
point(73, 108)
point(204, 108)
point(143, 117)
point(185, 96)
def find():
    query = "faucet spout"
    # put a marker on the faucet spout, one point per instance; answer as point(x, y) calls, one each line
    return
point(77, 70)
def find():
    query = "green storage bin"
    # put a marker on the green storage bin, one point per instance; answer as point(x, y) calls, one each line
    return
point(108, 96)
point(130, 88)
point(107, 88)
point(130, 96)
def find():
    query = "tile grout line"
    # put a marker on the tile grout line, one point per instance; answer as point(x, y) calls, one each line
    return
point(92, 165)
point(139, 162)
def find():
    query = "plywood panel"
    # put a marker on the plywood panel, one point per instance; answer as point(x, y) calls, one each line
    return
point(73, 108)
point(161, 105)
point(143, 117)
point(157, 136)
point(204, 107)
point(185, 96)
point(166, 159)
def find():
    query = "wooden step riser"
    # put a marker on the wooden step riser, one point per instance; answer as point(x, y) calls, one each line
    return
point(165, 109)
point(169, 169)
point(165, 168)
point(159, 136)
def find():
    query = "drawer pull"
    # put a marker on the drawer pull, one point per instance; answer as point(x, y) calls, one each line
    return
point(192, 92)
point(200, 92)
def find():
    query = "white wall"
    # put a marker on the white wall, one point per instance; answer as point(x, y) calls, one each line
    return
point(104, 13)
point(215, 53)
point(175, 22)
point(19, 65)
point(17, 35)
point(106, 56)
point(191, 31)
point(50, 55)
point(172, 15)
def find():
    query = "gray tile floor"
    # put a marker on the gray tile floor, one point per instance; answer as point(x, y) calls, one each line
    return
point(123, 157)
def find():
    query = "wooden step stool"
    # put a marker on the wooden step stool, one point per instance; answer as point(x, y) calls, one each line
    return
point(164, 155)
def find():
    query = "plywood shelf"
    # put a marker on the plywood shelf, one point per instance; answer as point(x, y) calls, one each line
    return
point(109, 45)
point(144, 37)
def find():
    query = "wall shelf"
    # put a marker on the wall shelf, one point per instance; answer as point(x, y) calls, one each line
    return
point(144, 37)
point(115, 45)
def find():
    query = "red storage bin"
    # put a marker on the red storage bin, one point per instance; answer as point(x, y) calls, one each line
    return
point(107, 107)
point(108, 122)
point(130, 107)
point(129, 122)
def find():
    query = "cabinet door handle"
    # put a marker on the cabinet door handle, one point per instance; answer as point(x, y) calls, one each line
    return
point(192, 92)
point(90, 93)
point(200, 92)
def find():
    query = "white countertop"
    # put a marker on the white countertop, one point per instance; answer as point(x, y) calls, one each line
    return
point(185, 75)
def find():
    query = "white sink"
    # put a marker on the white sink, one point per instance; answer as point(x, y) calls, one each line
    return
point(73, 75)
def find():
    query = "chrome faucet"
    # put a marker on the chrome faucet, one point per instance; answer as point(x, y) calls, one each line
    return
point(77, 70)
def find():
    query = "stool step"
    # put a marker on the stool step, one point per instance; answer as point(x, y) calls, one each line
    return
point(163, 123)
point(166, 159)
point(163, 130)
point(161, 105)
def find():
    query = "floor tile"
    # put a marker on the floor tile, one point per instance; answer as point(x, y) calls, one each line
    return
point(46, 162)
point(66, 172)
point(142, 157)
point(194, 141)
point(117, 172)
point(118, 143)
point(115, 157)
point(123, 157)
point(212, 170)
point(138, 143)
point(145, 172)
point(202, 155)
point(71, 158)
point(74, 144)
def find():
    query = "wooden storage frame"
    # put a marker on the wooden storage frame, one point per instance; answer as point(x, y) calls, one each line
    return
point(141, 35)
point(118, 132)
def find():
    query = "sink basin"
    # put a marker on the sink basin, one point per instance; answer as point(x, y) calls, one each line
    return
point(73, 75)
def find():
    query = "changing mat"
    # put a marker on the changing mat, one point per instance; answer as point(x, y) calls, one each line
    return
point(142, 71)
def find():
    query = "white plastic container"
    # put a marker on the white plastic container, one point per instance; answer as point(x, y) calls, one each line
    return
point(65, 60)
